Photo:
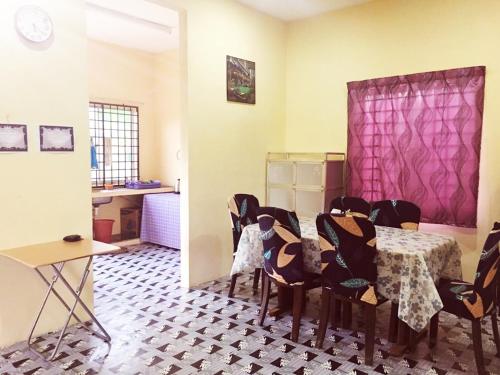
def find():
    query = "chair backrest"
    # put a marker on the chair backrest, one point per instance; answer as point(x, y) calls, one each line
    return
point(348, 251)
point(280, 234)
point(395, 213)
point(351, 205)
point(242, 211)
point(485, 282)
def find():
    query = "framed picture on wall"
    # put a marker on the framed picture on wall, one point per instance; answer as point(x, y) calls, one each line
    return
point(56, 138)
point(13, 138)
point(240, 80)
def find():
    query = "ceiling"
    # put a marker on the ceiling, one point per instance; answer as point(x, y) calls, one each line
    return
point(137, 24)
point(289, 10)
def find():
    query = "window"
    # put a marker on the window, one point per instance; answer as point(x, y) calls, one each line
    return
point(417, 137)
point(114, 131)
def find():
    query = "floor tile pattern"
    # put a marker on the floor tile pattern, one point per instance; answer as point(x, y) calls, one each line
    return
point(158, 327)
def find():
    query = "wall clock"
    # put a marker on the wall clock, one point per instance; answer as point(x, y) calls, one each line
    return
point(33, 23)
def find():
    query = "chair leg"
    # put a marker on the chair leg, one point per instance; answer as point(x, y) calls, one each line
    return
point(323, 317)
point(256, 276)
point(412, 343)
point(393, 323)
point(346, 314)
point(262, 276)
point(433, 330)
point(495, 332)
point(266, 290)
point(335, 312)
point(498, 293)
point(478, 346)
point(298, 300)
point(230, 294)
point(371, 316)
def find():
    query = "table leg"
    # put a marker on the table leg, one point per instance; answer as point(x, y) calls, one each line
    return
point(106, 338)
point(407, 339)
point(285, 299)
point(76, 294)
point(63, 302)
point(47, 294)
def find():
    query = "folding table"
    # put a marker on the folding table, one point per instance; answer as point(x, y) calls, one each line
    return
point(55, 255)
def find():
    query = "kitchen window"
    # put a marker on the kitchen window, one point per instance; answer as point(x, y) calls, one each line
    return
point(114, 132)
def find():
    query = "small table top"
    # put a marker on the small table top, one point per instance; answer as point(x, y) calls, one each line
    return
point(48, 253)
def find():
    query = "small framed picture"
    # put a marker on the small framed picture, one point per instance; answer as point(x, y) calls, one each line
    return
point(56, 138)
point(240, 80)
point(13, 138)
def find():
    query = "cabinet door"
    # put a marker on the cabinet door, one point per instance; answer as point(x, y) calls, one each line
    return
point(280, 197)
point(309, 203)
point(280, 173)
point(309, 174)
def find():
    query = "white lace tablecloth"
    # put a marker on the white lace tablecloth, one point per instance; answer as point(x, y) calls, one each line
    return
point(408, 262)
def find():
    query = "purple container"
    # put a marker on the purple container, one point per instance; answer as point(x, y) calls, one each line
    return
point(142, 184)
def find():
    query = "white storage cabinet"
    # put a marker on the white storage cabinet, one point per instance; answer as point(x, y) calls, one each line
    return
point(304, 182)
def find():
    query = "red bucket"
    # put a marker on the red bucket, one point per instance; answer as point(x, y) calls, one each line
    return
point(103, 230)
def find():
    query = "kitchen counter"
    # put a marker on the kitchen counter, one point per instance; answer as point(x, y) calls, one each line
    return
point(121, 192)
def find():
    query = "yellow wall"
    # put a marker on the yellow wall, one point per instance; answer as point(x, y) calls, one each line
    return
point(149, 81)
point(224, 144)
point(121, 75)
point(385, 38)
point(44, 195)
point(167, 104)
point(228, 142)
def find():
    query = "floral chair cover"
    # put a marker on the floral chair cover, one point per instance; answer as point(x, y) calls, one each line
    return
point(243, 211)
point(280, 234)
point(348, 250)
point(396, 213)
point(351, 205)
point(473, 301)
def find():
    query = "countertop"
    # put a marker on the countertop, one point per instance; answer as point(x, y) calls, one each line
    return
point(100, 193)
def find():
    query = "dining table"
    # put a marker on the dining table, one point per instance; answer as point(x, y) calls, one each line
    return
point(409, 264)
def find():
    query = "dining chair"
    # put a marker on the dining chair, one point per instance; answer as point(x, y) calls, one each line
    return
point(353, 205)
point(474, 301)
point(242, 211)
point(395, 213)
point(349, 272)
point(283, 261)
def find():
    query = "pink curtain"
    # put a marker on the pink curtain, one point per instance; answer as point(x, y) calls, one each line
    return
point(417, 137)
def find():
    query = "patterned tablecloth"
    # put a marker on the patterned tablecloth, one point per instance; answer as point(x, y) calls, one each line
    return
point(408, 262)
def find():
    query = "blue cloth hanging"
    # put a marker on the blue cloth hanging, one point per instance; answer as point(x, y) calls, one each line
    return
point(93, 156)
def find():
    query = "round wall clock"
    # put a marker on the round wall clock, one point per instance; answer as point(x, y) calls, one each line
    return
point(33, 23)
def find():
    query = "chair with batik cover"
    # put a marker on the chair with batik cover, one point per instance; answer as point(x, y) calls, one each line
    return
point(395, 213)
point(349, 272)
point(351, 206)
point(283, 261)
point(242, 211)
point(474, 301)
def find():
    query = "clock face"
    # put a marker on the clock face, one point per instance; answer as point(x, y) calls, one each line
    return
point(33, 23)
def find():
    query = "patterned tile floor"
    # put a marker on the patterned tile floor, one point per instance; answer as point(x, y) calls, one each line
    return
point(158, 327)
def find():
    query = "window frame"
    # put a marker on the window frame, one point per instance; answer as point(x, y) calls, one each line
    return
point(103, 106)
